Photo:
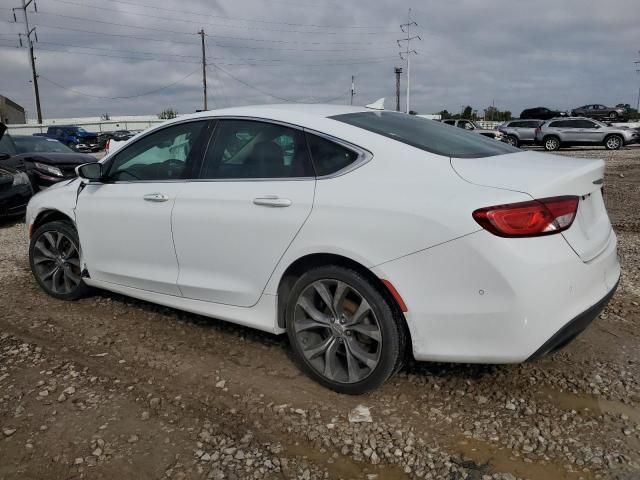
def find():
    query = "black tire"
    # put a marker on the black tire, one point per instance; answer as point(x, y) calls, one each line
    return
point(69, 268)
point(551, 143)
point(613, 142)
point(613, 115)
point(512, 140)
point(390, 350)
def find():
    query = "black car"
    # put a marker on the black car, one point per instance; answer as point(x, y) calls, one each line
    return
point(45, 160)
point(541, 113)
point(15, 187)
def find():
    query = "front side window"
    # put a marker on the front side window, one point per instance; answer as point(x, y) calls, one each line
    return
point(426, 135)
point(466, 125)
point(161, 155)
point(585, 124)
point(7, 146)
point(450, 122)
point(253, 149)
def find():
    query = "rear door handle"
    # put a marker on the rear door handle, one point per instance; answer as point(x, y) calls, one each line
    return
point(156, 197)
point(272, 201)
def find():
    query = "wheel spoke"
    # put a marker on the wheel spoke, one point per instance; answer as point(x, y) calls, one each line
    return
point(52, 241)
point(325, 295)
point(331, 360)
point(49, 274)
point(72, 276)
point(338, 297)
point(361, 312)
point(74, 261)
point(369, 359)
point(352, 366)
point(44, 250)
point(315, 314)
point(370, 331)
point(37, 260)
point(309, 324)
point(319, 349)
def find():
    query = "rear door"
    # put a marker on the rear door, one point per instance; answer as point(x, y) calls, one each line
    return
point(233, 224)
point(527, 130)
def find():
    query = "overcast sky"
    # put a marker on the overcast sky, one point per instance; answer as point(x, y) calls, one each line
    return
point(522, 53)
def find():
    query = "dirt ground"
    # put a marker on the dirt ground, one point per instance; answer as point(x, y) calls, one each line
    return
point(110, 387)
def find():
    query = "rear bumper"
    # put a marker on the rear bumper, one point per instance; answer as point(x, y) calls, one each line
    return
point(485, 299)
point(575, 327)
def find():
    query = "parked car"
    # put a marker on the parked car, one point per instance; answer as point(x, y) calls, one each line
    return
point(400, 235)
point(74, 137)
point(45, 160)
point(15, 188)
point(541, 113)
point(600, 111)
point(474, 127)
point(570, 131)
point(520, 132)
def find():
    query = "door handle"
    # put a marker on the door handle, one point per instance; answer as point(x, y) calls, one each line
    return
point(156, 197)
point(272, 201)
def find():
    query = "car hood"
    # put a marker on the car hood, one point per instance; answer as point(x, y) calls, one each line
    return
point(57, 158)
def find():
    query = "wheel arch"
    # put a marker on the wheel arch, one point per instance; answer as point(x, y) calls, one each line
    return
point(49, 215)
point(309, 261)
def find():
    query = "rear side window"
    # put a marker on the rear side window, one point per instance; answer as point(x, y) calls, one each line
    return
point(328, 157)
point(515, 124)
point(560, 124)
point(427, 135)
point(252, 149)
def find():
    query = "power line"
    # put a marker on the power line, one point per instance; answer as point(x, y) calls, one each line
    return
point(226, 37)
point(408, 52)
point(264, 92)
point(223, 17)
point(150, 92)
point(194, 22)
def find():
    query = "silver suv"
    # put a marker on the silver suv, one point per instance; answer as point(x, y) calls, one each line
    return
point(474, 127)
point(566, 132)
point(520, 132)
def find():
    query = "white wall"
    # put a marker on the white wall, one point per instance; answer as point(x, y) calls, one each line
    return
point(91, 124)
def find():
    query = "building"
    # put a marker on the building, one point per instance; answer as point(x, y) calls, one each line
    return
point(11, 112)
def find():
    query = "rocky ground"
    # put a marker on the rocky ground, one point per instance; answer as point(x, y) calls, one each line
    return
point(111, 387)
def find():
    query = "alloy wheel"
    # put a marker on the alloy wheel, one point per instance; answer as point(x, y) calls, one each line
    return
point(57, 262)
point(613, 143)
point(551, 144)
point(338, 331)
point(511, 141)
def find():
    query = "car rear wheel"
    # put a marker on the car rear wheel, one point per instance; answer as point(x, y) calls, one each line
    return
point(613, 142)
point(54, 256)
point(511, 140)
point(551, 143)
point(613, 115)
point(343, 332)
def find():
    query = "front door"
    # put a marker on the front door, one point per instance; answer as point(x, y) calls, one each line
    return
point(232, 226)
point(124, 222)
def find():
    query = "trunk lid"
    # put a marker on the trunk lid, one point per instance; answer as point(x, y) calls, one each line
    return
point(543, 175)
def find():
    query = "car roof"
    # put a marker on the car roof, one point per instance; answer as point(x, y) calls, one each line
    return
point(314, 109)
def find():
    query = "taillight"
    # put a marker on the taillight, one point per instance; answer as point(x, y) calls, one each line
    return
point(545, 216)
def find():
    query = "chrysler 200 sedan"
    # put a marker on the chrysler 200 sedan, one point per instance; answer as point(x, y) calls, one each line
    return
point(365, 235)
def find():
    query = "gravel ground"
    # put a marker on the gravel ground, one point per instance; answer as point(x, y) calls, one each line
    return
point(111, 387)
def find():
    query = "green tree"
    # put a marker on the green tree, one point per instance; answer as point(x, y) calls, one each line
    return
point(168, 113)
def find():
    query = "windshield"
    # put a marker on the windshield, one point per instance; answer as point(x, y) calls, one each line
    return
point(40, 144)
point(427, 135)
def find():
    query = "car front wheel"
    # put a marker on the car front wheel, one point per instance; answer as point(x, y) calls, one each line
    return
point(614, 142)
point(54, 256)
point(551, 144)
point(511, 140)
point(343, 332)
point(613, 115)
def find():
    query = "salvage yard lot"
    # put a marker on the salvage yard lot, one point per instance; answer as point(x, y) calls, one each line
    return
point(111, 387)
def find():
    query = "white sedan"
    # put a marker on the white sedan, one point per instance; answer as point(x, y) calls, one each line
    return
point(365, 235)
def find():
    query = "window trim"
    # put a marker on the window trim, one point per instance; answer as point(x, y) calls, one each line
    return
point(106, 163)
point(363, 155)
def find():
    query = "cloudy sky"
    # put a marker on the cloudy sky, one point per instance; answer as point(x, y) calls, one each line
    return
point(139, 56)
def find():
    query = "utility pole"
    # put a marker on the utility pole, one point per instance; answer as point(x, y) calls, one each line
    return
point(408, 52)
point(638, 103)
point(397, 71)
point(353, 88)
point(32, 58)
point(204, 68)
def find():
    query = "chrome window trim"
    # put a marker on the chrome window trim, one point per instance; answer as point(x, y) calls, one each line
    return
point(364, 156)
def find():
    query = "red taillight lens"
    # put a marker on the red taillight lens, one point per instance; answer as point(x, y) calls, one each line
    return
point(545, 216)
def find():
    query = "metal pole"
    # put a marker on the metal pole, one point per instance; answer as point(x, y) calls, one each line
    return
point(408, 60)
point(204, 69)
point(32, 59)
point(353, 88)
point(398, 71)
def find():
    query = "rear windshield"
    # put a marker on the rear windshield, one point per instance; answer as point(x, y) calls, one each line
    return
point(427, 135)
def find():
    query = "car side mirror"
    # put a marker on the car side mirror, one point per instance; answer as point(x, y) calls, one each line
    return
point(90, 171)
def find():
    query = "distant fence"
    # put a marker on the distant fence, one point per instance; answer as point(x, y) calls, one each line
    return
point(101, 126)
